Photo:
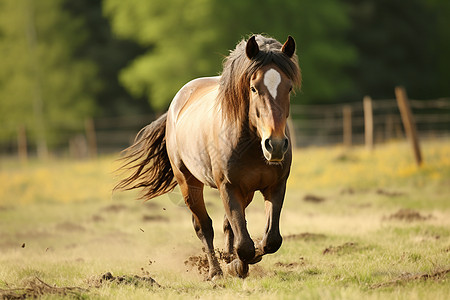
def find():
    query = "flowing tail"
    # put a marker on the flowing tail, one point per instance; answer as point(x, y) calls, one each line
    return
point(148, 162)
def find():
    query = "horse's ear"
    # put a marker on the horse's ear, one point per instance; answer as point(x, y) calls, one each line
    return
point(289, 47)
point(252, 48)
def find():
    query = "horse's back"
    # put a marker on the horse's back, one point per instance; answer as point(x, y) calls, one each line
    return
point(191, 92)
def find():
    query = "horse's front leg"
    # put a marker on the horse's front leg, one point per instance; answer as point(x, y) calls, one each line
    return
point(272, 239)
point(234, 204)
point(230, 254)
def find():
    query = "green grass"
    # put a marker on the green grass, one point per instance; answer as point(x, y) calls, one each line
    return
point(349, 246)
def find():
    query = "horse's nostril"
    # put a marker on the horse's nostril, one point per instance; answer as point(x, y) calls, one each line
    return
point(268, 145)
point(285, 145)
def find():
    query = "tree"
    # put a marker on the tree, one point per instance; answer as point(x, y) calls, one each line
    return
point(110, 55)
point(42, 86)
point(319, 29)
point(400, 44)
point(189, 39)
point(439, 47)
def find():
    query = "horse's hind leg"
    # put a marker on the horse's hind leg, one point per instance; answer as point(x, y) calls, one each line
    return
point(235, 267)
point(192, 191)
point(229, 240)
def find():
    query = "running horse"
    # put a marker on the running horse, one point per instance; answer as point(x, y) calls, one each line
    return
point(228, 132)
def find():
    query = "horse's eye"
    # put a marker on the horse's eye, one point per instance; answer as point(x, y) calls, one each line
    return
point(290, 89)
point(253, 89)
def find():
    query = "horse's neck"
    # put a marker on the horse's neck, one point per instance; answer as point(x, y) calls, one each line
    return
point(237, 134)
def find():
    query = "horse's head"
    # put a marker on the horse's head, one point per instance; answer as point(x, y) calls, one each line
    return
point(269, 103)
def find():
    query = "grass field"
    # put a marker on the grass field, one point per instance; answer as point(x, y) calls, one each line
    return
point(356, 225)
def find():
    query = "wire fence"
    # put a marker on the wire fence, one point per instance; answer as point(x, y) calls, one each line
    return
point(316, 125)
point(324, 124)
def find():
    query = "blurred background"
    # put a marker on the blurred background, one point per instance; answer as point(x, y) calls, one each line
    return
point(81, 77)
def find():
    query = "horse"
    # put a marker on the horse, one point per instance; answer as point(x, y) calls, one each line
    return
point(230, 133)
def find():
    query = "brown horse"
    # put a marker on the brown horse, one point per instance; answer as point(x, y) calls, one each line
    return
point(227, 132)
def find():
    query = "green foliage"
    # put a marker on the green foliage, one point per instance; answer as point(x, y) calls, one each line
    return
point(110, 55)
point(41, 85)
point(400, 44)
point(189, 39)
point(181, 36)
point(71, 67)
point(440, 45)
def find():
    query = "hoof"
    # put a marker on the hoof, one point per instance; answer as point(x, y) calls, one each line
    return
point(238, 268)
point(214, 274)
point(259, 252)
point(246, 251)
point(255, 260)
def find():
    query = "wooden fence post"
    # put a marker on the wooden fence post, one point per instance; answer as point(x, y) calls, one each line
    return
point(408, 122)
point(389, 128)
point(347, 125)
point(91, 137)
point(368, 122)
point(22, 144)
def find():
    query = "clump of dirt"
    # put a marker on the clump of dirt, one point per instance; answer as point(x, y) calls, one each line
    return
point(361, 205)
point(258, 271)
point(287, 265)
point(114, 208)
point(5, 208)
point(348, 191)
point(154, 218)
point(225, 257)
point(36, 288)
point(33, 234)
point(340, 249)
point(198, 262)
point(313, 198)
point(151, 205)
point(389, 193)
point(10, 244)
point(97, 218)
point(407, 277)
point(345, 157)
point(408, 215)
point(135, 280)
point(306, 236)
point(130, 279)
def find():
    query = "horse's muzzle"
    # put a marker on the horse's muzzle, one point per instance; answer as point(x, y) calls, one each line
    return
point(275, 148)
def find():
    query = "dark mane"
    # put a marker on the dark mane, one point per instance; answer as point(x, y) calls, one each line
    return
point(234, 87)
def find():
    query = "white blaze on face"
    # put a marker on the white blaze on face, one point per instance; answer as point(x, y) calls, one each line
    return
point(272, 79)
